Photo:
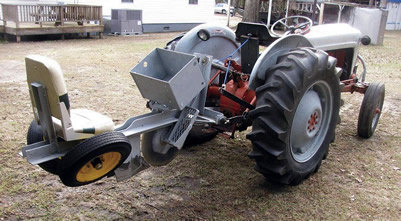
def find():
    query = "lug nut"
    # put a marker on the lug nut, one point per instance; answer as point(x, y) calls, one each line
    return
point(98, 166)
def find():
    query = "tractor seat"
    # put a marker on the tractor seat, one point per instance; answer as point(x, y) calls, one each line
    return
point(87, 121)
point(70, 124)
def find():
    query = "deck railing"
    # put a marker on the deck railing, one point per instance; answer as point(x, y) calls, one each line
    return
point(51, 13)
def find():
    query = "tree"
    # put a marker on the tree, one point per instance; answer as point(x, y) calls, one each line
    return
point(251, 13)
point(234, 3)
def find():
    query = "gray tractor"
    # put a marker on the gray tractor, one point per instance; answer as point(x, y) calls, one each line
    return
point(212, 81)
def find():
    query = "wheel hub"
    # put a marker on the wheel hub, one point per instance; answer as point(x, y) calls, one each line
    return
point(313, 124)
point(310, 122)
point(158, 143)
point(98, 167)
point(155, 150)
point(97, 163)
point(306, 121)
point(375, 118)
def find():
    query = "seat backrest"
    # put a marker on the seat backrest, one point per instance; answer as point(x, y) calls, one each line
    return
point(48, 73)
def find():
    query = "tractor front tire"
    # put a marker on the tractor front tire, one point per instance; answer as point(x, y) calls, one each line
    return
point(295, 117)
point(371, 109)
point(35, 135)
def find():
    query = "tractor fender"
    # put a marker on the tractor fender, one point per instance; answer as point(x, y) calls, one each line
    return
point(220, 44)
point(269, 57)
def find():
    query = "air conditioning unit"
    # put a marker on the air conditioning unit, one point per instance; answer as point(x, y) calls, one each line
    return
point(126, 21)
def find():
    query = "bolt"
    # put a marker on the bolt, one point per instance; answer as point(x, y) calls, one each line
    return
point(299, 150)
point(97, 163)
point(98, 166)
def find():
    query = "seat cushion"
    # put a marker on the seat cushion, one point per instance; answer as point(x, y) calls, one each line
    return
point(91, 122)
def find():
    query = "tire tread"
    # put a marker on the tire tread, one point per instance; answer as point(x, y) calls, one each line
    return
point(276, 101)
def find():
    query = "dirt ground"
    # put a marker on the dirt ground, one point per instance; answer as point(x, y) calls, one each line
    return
point(360, 180)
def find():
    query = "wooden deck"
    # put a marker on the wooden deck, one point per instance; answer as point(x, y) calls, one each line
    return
point(23, 20)
point(50, 28)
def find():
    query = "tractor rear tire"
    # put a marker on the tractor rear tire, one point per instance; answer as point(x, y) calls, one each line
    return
point(94, 158)
point(295, 117)
point(371, 109)
point(35, 135)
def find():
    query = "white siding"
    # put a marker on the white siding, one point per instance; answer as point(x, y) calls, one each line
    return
point(153, 11)
point(27, 1)
point(161, 11)
point(394, 16)
point(175, 11)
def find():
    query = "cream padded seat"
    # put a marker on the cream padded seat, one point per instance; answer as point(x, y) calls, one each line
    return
point(88, 121)
point(70, 124)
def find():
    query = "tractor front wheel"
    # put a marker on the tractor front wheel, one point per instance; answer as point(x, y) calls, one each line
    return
point(371, 109)
point(295, 117)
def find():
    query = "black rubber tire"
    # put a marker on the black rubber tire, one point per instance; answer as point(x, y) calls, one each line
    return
point(223, 11)
point(35, 135)
point(87, 151)
point(278, 97)
point(368, 115)
point(156, 138)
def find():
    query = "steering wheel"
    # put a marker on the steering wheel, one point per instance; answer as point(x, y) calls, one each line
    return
point(297, 28)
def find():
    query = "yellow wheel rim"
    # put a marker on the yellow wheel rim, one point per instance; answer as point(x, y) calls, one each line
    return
point(98, 167)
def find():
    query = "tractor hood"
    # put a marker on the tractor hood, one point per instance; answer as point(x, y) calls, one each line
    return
point(334, 36)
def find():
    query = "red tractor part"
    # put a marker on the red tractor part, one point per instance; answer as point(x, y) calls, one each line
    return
point(235, 97)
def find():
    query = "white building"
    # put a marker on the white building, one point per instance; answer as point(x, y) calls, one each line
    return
point(394, 15)
point(157, 15)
